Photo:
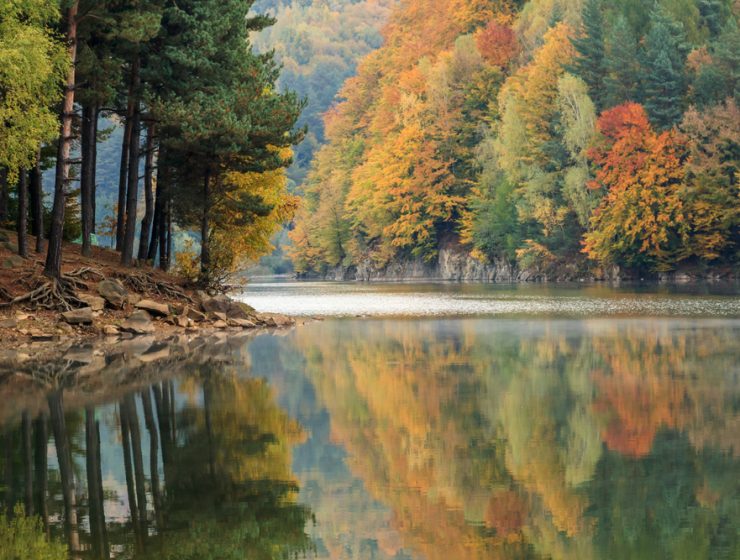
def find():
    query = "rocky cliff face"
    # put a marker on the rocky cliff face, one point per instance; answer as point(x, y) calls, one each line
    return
point(453, 263)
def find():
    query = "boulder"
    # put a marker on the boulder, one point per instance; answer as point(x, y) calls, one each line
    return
point(232, 309)
point(220, 316)
point(138, 322)
point(113, 292)
point(82, 316)
point(220, 324)
point(96, 303)
point(161, 309)
point(182, 321)
point(194, 315)
point(13, 261)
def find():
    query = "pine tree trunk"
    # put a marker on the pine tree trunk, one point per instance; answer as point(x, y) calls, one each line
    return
point(23, 213)
point(205, 229)
point(4, 195)
point(94, 170)
point(89, 116)
point(123, 177)
point(53, 266)
point(66, 472)
point(146, 222)
point(37, 204)
point(165, 234)
point(132, 189)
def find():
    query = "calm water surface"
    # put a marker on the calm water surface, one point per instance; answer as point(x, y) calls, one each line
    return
point(458, 422)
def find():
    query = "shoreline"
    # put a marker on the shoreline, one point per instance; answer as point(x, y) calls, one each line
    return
point(100, 299)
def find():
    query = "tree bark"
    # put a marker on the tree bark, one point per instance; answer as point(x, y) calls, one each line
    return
point(23, 213)
point(66, 473)
point(94, 171)
point(205, 229)
point(4, 195)
point(95, 485)
point(132, 189)
point(146, 222)
point(123, 177)
point(37, 204)
point(41, 438)
point(53, 266)
point(87, 175)
point(159, 208)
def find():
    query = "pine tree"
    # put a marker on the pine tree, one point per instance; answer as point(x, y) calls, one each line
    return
point(664, 82)
point(589, 61)
point(621, 65)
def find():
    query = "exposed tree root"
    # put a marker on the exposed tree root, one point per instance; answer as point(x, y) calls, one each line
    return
point(50, 294)
point(145, 282)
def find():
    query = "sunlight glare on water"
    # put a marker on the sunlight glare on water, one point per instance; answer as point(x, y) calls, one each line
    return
point(329, 299)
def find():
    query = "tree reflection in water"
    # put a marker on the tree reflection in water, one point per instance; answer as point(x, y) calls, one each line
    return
point(222, 490)
point(435, 439)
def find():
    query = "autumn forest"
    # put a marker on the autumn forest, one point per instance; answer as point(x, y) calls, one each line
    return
point(550, 134)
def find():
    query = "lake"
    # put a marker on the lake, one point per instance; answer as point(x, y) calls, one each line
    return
point(413, 421)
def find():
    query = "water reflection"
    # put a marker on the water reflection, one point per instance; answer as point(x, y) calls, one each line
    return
point(388, 439)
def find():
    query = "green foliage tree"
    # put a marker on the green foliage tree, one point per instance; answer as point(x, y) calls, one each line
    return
point(589, 61)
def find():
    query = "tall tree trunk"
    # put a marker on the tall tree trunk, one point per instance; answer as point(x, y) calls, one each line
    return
point(37, 204)
point(88, 140)
point(146, 222)
point(66, 473)
point(4, 195)
point(94, 171)
point(146, 402)
point(27, 462)
point(95, 485)
point(23, 213)
point(205, 230)
point(41, 477)
point(53, 266)
point(123, 176)
point(128, 469)
point(132, 189)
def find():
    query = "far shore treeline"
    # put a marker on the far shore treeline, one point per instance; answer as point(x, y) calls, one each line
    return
point(589, 134)
point(200, 113)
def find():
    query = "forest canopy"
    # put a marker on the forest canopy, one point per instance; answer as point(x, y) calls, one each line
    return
point(539, 133)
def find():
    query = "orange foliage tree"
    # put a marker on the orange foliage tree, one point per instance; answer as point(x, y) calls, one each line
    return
point(641, 221)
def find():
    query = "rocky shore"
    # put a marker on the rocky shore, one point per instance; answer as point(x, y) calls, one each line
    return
point(98, 298)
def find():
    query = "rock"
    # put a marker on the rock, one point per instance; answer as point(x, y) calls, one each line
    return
point(232, 309)
point(283, 320)
point(178, 308)
point(220, 316)
point(194, 315)
point(13, 261)
point(96, 303)
point(133, 299)
point(161, 309)
point(110, 330)
point(8, 323)
point(82, 316)
point(182, 321)
point(113, 292)
point(22, 316)
point(244, 323)
point(220, 324)
point(138, 322)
